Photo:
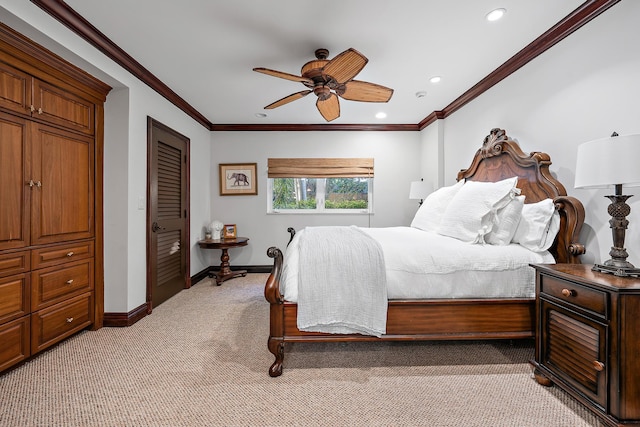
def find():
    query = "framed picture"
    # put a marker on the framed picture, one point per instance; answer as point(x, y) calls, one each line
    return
point(229, 231)
point(238, 179)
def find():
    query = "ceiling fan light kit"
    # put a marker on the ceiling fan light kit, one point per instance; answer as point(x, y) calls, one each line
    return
point(330, 79)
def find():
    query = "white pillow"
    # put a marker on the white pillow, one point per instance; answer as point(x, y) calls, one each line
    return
point(506, 223)
point(539, 224)
point(428, 216)
point(472, 212)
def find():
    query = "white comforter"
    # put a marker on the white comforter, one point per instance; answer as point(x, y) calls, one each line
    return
point(421, 264)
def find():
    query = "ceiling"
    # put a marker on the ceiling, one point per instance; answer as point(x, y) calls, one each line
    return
point(205, 50)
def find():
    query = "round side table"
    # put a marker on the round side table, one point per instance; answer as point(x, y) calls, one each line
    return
point(225, 272)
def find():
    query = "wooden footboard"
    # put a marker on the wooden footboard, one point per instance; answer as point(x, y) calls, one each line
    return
point(407, 320)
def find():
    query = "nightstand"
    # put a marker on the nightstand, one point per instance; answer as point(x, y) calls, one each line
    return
point(588, 339)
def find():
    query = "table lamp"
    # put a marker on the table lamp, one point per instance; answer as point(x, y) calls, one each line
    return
point(612, 162)
point(420, 190)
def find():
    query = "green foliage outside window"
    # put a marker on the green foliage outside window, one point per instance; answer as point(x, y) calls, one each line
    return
point(339, 193)
point(294, 193)
point(346, 193)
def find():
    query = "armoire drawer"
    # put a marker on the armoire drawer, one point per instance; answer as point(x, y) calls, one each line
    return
point(56, 284)
point(14, 263)
point(53, 324)
point(14, 337)
point(56, 255)
point(14, 297)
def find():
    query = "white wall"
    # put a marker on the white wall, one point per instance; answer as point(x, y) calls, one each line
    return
point(432, 154)
point(126, 112)
point(396, 164)
point(582, 89)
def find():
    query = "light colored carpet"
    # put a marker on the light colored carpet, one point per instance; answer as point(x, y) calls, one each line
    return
point(201, 360)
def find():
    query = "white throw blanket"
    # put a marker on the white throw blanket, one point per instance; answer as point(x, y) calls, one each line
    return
point(342, 282)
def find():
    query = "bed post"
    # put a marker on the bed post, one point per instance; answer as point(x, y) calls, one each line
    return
point(567, 249)
point(276, 312)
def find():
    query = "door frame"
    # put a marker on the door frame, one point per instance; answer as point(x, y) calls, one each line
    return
point(151, 124)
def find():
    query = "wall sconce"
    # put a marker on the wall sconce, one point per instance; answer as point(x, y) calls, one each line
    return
point(419, 190)
point(612, 162)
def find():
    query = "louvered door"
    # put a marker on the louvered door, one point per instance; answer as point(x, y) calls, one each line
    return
point(168, 214)
point(573, 347)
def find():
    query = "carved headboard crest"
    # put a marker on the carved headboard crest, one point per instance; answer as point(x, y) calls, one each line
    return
point(500, 158)
point(492, 145)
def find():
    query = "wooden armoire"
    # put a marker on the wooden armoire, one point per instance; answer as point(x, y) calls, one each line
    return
point(51, 248)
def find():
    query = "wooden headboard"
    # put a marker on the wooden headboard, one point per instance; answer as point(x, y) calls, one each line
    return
point(500, 157)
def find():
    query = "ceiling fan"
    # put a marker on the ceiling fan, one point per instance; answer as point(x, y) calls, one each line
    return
point(329, 79)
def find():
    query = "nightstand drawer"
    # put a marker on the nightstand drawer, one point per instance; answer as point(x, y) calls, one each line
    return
point(574, 293)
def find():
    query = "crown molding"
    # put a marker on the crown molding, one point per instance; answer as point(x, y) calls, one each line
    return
point(312, 127)
point(572, 22)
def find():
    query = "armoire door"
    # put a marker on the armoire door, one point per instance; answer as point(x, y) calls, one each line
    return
point(168, 237)
point(62, 195)
point(14, 176)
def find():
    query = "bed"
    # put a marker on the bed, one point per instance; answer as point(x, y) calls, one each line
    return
point(445, 317)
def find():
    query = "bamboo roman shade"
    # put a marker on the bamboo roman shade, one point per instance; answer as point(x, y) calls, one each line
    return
point(320, 168)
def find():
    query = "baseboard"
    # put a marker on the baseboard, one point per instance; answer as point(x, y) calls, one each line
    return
point(200, 275)
point(249, 268)
point(125, 319)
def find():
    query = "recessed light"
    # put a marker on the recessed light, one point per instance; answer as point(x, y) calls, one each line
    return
point(496, 14)
point(435, 79)
point(261, 115)
point(421, 94)
point(381, 115)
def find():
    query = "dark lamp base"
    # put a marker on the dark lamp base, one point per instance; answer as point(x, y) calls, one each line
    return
point(621, 271)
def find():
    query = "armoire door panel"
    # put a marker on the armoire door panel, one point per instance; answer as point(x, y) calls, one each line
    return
point(62, 108)
point(15, 89)
point(62, 199)
point(14, 176)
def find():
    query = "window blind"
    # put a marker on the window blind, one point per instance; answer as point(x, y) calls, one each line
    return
point(320, 168)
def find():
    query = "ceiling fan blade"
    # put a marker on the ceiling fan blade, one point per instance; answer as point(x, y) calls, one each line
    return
point(356, 90)
point(283, 75)
point(346, 65)
point(288, 99)
point(329, 108)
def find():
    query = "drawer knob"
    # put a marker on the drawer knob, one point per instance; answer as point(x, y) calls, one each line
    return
point(70, 254)
point(568, 292)
point(69, 319)
point(70, 281)
point(598, 366)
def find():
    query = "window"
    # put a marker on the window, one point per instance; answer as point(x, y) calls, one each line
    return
point(320, 185)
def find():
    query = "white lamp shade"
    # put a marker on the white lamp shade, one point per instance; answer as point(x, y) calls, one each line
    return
point(609, 161)
point(420, 189)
